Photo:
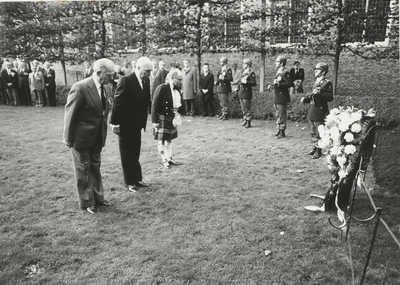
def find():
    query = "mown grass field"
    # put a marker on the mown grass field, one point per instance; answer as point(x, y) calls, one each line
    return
point(209, 221)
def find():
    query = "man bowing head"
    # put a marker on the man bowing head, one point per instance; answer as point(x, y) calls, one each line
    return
point(85, 131)
point(129, 117)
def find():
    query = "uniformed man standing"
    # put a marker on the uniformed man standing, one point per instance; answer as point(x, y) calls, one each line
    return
point(281, 85)
point(322, 94)
point(223, 83)
point(247, 80)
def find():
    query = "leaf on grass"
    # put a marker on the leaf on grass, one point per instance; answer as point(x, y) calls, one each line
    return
point(267, 252)
point(300, 170)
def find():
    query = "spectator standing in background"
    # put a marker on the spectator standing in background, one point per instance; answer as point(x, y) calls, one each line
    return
point(236, 75)
point(10, 78)
point(297, 76)
point(88, 70)
point(15, 64)
point(126, 69)
point(37, 85)
point(50, 82)
point(23, 79)
point(189, 87)
point(206, 87)
point(160, 76)
point(3, 97)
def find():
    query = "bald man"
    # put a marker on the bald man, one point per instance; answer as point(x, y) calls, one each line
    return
point(129, 117)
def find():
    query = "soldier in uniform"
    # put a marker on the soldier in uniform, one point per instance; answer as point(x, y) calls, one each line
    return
point(223, 83)
point(247, 80)
point(281, 85)
point(322, 94)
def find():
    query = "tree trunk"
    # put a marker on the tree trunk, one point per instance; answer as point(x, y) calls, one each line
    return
point(338, 45)
point(198, 38)
point(103, 36)
point(144, 41)
point(263, 51)
point(64, 71)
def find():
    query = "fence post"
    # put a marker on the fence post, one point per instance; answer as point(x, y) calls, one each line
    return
point(378, 218)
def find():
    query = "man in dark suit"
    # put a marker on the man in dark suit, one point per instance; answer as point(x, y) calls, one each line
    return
point(129, 117)
point(297, 76)
point(281, 85)
point(159, 77)
point(10, 79)
point(85, 131)
point(206, 86)
point(322, 94)
point(50, 83)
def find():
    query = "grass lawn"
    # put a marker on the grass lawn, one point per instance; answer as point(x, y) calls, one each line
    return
point(209, 221)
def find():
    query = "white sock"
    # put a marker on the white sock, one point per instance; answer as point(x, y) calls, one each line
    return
point(162, 151)
point(168, 148)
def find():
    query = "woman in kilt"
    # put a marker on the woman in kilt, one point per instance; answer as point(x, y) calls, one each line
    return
point(165, 116)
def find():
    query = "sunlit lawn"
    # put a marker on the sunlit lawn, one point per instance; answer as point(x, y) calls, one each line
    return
point(237, 194)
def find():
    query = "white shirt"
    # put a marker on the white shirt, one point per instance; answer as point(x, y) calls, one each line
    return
point(176, 97)
point(97, 84)
point(137, 72)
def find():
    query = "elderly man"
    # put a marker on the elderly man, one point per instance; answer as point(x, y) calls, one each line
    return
point(85, 131)
point(129, 117)
point(165, 116)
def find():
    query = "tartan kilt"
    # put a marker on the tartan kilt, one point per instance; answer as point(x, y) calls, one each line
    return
point(166, 131)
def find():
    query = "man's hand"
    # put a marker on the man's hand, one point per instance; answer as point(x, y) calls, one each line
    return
point(115, 129)
point(156, 125)
point(302, 100)
point(204, 91)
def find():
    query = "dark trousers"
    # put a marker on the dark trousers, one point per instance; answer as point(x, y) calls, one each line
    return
point(25, 96)
point(315, 137)
point(3, 97)
point(51, 93)
point(89, 184)
point(208, 108)
point(12, 96)
point(189, 106)
point(281, 114)
point(129, 149)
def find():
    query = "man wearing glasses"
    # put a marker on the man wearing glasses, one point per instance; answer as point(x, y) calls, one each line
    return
point(129, 117)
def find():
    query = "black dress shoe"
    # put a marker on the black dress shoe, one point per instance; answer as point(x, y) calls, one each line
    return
point(91, 209)
point(105, 203)
point(141, 184)
point(173, 162)
point(132, 188)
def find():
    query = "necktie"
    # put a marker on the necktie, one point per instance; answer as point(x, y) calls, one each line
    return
point(103, 98)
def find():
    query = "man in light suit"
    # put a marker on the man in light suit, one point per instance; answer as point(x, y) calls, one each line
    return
point(129, 117)
point(189, 87)
point(85, 131)
point(50, 83)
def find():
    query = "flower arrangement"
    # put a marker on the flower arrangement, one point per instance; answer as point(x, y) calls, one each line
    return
point(341, 138)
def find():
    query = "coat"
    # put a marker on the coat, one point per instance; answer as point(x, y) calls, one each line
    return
point(50, 78)
point(322, 94)
point(207, 82)
point(281, 95)
point(189, 83)
point(12, 78)
point(23, 78)
point(297, 76)
point(224, 84)
point(245, 89)
point(131, 103)
point(84, 115)
point(36, 81)
point(163, 103)
point(159, 79)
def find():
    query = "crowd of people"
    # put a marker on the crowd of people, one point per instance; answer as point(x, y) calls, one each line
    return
point(146, 87)
point(24, 83)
